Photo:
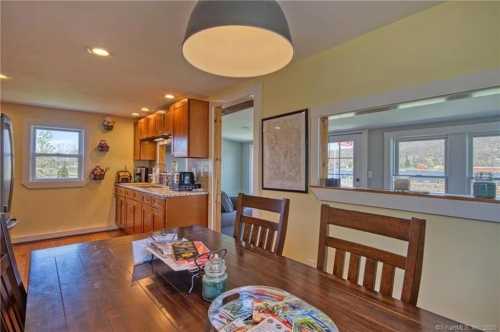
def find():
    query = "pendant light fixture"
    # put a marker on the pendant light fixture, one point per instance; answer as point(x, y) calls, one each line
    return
point(238, 38)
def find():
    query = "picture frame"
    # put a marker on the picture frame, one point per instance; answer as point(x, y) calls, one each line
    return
point(285, 152)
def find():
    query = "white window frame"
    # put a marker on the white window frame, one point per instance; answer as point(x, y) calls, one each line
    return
point(360, 157)
point(32, 182)
point(458, 160)
point(395, 161)
point(470, 164)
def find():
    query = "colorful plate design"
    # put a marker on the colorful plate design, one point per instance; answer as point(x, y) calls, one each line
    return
point(235, 308)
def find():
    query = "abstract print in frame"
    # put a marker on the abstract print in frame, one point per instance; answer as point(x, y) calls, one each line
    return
point(285, 152)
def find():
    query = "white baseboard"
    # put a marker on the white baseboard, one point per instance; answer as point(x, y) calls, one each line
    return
point(54, 235)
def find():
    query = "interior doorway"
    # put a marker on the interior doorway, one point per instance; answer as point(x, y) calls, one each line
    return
point(235, 159)
point(237, 149)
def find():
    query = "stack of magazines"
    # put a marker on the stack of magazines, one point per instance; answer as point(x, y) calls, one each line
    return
point(180, 255)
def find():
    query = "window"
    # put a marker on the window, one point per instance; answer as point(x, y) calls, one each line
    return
point(486, 157)
point(56, 154)
point(340, 162)
point(424, 162)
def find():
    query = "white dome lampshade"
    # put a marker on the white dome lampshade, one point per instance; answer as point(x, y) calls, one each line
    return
point(238, 38)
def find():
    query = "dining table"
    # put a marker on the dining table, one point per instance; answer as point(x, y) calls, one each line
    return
point(94, 286)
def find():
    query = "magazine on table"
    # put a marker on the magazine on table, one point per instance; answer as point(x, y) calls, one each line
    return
point(165, 252)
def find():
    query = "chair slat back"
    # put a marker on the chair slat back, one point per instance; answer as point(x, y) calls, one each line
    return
point(257, 232)
point(12, 292)
point(409, 230)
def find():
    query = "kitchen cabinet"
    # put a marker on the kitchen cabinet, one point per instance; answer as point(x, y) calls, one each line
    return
point(133, 223)
point(147, 218)
point(121, 209)
point(139, 212)
point(147, 127)
point(137, 142)
point(186, 121)
point(143, 149)
point(190, 128)
point(148, 150)
point(163, 123)
point(187, 210)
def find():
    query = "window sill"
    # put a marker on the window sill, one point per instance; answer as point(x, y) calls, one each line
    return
point(466, 207)
point(54, 184)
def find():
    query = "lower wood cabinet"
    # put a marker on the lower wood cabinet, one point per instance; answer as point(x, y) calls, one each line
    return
point(137, 212)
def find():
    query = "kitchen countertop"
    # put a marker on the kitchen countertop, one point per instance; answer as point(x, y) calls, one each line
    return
point(159, 190)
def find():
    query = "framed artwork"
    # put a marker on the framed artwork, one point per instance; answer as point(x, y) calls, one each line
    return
point(285, 159)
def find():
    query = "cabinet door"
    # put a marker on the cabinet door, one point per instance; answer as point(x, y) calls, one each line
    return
point(180, 129)
point(123, 213)
point(147, 218)
point(167, 125)
point(130, 216)
point(152, 130)
point(118, 211)
point(142, 128)
point(137, 142)
point(138, 225)
point(160, 122)
point(154, 124)
point(148, 150)
point(198, 129)
point(158, 215)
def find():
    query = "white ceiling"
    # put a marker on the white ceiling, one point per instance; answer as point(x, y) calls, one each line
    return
point(43, 48)
point(452, 110)
point(238, 126)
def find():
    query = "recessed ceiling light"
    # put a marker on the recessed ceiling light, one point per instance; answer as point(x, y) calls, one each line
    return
point(169, 96)
point(98, 51)
point(145, 109)
point(135, 114)
point(419, 103)
point(4, 77)
point(487, 92)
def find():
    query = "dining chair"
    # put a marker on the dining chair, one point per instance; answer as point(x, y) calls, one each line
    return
point(12, 292)
point(409, 230)
point(255, 232)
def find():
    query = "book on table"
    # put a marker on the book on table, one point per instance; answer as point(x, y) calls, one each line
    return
point(180, 255)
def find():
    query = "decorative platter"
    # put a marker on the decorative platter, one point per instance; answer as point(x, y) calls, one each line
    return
point(261, 308)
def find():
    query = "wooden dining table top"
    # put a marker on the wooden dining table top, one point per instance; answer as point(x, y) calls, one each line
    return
point(94, 286)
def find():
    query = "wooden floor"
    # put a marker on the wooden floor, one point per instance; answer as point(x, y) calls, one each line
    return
point(23, 251)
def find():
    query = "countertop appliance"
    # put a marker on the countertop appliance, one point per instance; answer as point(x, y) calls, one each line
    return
point(184, 181)
point(186, 178)
point(141, 174)
point(6, 170)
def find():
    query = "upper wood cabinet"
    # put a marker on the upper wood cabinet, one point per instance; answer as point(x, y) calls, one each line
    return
point(190, 128)
point(143, 149)
point(163, 123)
point(147, 127)
point(186, 122)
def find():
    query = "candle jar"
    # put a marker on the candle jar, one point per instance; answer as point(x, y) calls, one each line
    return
point(215, 277)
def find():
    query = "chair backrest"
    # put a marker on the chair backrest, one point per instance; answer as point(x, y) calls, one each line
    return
point(260, 233)
point(12, 292)
point(410, 230)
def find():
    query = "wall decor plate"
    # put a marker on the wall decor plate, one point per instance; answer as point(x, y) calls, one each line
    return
point(262, 308)
point(285, 152)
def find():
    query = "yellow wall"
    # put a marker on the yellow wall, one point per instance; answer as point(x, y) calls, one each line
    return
point(46, 211)
point(461, 273)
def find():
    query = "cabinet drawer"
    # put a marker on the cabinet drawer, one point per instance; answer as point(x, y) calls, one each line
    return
point(135, 195)
point(157, 202)
point(120, 192)
point(146, 199)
